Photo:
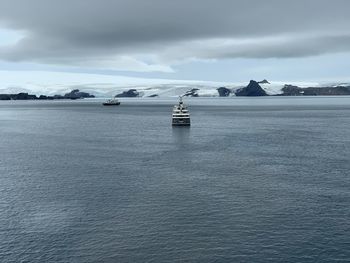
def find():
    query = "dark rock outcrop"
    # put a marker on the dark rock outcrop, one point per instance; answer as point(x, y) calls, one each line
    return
point(74, 94)
point(77, 94)
point(153, 95)
point(224, 92)
point(44, 97)
point(19, 96)
point(5, 96)
point(25, 96)
point(326, 91)
point(252, 90)
point(131, 93)
point(192, 93)
point(59, 97)
point(290, 90)
point(264, 82)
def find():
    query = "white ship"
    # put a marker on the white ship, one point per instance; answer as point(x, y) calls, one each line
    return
point(181, 116)
point(111, 102)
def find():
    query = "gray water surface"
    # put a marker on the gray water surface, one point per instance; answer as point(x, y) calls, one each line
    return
point(252, 180)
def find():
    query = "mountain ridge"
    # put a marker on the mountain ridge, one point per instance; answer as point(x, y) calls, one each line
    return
point(51, 83)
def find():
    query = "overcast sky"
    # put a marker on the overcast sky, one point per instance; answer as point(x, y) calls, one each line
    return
point(219, 40)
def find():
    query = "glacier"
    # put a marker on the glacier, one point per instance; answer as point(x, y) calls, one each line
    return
point(51, 83)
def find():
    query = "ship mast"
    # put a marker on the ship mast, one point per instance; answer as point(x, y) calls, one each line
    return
point(180, 100)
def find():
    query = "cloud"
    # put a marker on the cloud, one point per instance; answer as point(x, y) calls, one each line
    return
point(152, 35)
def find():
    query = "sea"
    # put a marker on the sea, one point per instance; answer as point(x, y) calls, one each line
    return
point(252, 180)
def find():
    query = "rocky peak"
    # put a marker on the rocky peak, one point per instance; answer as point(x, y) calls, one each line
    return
point(264, 82)
point(252, 90)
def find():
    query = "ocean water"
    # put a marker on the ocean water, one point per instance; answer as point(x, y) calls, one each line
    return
point(252, 180)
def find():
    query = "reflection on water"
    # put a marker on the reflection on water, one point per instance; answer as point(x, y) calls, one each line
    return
point(181, 135)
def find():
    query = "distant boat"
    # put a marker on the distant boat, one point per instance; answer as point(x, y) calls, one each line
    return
point(181, 116)
point(111, 102)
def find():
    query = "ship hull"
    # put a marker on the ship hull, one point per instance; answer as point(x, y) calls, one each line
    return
point(181, 122)
point(111, 104)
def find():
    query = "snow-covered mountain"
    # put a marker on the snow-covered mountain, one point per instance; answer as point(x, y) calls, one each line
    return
point(50, 83)
point(275, 87)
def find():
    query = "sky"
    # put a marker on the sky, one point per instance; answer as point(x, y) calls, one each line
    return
point(209, 40)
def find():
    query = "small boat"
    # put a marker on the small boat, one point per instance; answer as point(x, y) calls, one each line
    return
point(181, 116)
point(111, 102)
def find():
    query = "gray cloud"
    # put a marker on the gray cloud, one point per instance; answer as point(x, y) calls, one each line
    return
point(151, 35)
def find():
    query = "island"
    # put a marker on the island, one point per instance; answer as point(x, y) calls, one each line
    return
point(73, 95)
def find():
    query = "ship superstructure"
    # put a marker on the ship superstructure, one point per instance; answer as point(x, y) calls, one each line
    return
point(181, 115)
